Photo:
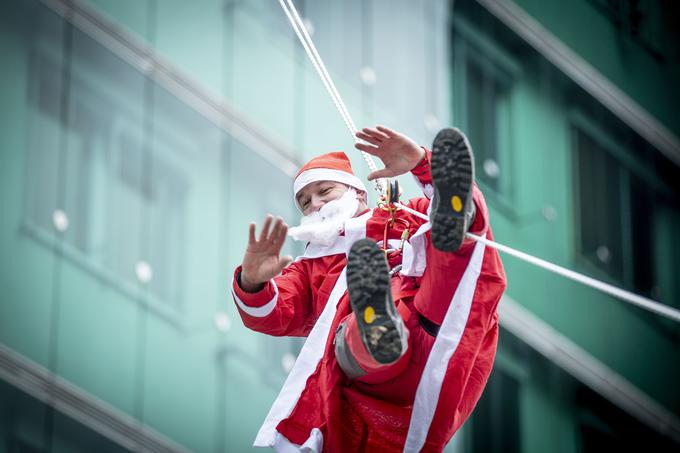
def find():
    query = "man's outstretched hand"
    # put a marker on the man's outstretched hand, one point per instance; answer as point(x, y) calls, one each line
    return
point(399, 153)
point(261, 261)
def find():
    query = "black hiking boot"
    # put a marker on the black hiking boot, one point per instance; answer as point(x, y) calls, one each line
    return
point(453, 171)
point(368, 283)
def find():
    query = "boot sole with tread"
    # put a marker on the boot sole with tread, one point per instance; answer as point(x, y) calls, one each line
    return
point(368, 285)
point(452, 175)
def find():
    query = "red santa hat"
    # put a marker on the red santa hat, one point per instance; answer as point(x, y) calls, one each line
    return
point(327, 167)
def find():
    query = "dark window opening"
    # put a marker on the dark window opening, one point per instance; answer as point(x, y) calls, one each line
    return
point(486, 118)
point(495, 426)
point(602, 426)
point(616, 216)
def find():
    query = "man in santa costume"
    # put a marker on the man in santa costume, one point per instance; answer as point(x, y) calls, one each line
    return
point(399, 314)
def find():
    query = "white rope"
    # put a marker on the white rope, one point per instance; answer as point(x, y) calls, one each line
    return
point(307, 43)
point(642, 302)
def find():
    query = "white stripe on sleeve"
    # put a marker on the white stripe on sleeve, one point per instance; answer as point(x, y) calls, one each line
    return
point(258, 312)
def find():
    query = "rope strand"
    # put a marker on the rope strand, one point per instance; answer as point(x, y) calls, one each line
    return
point(642, 302)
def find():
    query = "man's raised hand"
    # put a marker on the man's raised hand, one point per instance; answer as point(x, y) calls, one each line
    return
point(261, 261)
point(398, 152)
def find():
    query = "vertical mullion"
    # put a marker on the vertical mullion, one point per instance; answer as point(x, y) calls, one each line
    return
point(504, 138)
point(460, 84)
point(577, 190)
point(57, 299)
point(222, 375)
point(145, 220)
point(489, 127)
point(626, 228)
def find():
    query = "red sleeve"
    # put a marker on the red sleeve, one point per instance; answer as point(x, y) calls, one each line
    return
point(422, 170)
point(481, 223)
point(282, 307)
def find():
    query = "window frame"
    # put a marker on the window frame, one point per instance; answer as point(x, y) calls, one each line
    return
point(471, 44)
point(628, 166)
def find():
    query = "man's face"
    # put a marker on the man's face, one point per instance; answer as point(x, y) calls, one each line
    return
point(316, 194)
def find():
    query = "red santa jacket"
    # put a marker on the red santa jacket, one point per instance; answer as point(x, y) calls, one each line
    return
point(317, 408)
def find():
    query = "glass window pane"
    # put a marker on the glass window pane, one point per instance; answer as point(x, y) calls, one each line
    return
point(600, 186)
point(642, 234)
point(496, 417)
point(104, 171)
point(258, 188)
point(182, 199)
point(487, 121)
point(45, 87)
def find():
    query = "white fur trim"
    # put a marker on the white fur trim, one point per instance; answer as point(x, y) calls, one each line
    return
point(428, 189)
point(414, 255)
point(325, 174)
point(306, 363)
point(392, 244)
point(355, 229)
point(313, 444)
point(259, 312)
point(448, 338)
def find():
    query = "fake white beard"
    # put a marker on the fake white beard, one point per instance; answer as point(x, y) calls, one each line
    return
point(323, 226)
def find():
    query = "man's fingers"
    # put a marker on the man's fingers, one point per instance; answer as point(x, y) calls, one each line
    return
point(251, 233)
point(387, 131)
point(375, 133)
point(370, 149)
point(271, 237)
point(278, 235)
point(382, 173)
point(370, 138)
point(265, 228)
point(283, 230)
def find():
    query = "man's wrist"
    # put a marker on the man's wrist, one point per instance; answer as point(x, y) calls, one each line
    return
point(247, 285)
point(423, 158)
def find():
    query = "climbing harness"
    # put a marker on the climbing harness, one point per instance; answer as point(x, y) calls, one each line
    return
point(389, 199)
point(389, 202)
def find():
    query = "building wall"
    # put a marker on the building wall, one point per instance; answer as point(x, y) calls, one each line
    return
point(639, 57)
point(165, 129)
point(538, 209)
point(142, 177)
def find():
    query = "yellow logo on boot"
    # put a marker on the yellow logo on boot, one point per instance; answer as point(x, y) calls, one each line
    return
point(369, 315)
point(456, 203)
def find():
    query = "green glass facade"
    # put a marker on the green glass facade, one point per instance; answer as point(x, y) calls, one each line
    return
point(140, 138)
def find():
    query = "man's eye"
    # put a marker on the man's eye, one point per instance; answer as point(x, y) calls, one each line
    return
point(325, 191)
